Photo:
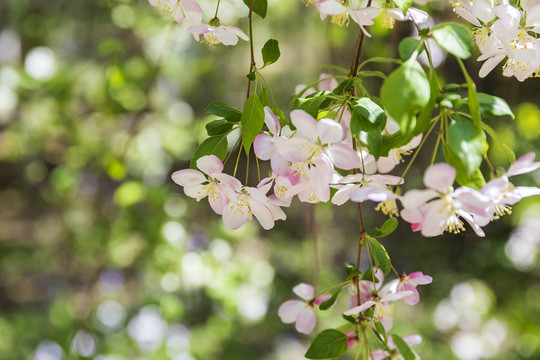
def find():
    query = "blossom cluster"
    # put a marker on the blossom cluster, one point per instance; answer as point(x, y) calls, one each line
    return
point(504, 31)
point(190, 14)
point(371, 294)
point(363, 12)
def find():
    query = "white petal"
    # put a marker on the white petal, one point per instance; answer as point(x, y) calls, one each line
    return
point(304, 291)
point(210, 164)
point(440, 177)
point(289, 310)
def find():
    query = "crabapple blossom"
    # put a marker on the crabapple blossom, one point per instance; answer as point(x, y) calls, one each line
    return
point(381, 299)
point(443, 213)
point(214, 33)
point(265, 145)
point(360, 187)
point(247, 201)
point(503, 193)
point(216, 185)
point(301, 312)
point(410, 282)
point(340, 12)
point(187, 12)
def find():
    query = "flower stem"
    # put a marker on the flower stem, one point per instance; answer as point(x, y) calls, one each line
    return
point(252, 61)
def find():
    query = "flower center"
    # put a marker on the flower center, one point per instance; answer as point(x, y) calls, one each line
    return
point(210, 39)
point(388, 208)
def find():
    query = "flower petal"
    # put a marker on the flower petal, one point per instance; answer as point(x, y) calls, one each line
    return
point(210, 164)
point(304, 291)
point(289, 310)
point(306, 320)
point(440, 177)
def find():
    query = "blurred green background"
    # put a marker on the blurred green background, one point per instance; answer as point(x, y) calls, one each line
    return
point(103, 257)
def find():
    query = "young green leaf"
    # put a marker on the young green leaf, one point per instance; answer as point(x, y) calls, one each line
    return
point(407, 47)
point(403, 348)
point(260, 7)
point(329, 344)
point(403, 4)
point(388, 227)
point(424, 118)
point(382, 259)
point(405, 92)
point(214, 145)
point(327, 304)
point(270, 52)
point(313, 103)
point(368, 275)
point(224, 110)
point(510, 156)
point(381, 331)
point(491, 106)
point(367, 122)
point(252, 121)
point(468, 142)
point(453, 38)
point(218, 127)
point(474, 107)
point(475, 180)
point(263, 97)
point(344, 86)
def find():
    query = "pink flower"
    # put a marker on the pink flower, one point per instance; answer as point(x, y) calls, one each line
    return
point(409, 283)
point(433, 217)
point(503, 193)
point(265, 144)
point(215, 184)
point(187, 12)
point(383, 310)
point(247, 201)
point(360, 187)
point(301, 312)
point(216, 34)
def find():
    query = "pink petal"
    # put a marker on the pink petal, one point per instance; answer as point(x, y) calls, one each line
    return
point(418, 278)
point(279, 165)
point(218, 200)
point(415, 198)
point(344, 157)
point(440, 177)
point(225, 36)
point(359, 309)
point(411, 299)
point(235, 216)
point(412, 340)
point(188, 177)
point(263, 146)
point(343, 194)
point(305, 124)
point(372, 193)
point(262, 213)
point(434, 222)
point(304, 291)
point(327, 82)
point(523, 165)
point(210, 164)
point(321, 299)
point(289, 310)
point(200, 29)
point(271, 121)
point(329, 131)
point(306, 320)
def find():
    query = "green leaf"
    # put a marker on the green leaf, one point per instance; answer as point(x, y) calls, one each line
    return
point(403, 348)
point(475, 180)
point(325, 305)
point(367, 122)
point(313, 102)
point(214, 145)
point(368, 275)
point(403, 4)
point(407, 47)
point(491, 106)
point(381, 331)
point(468, 142)
point(424, 118)
point(329, 344)
point(259, 7)
point(474, 107)
point(263, 97)
point(218, 127)
point(405, 92)
point(224, 110)
point(382, 259)
point(510, 156)
point(251, 76)
point(280, 115)
point(388, 227)
point(454, 38)
point(270, 52)
point(344, 86)
point(252, 121)
point(352, 271)
point(393, 141)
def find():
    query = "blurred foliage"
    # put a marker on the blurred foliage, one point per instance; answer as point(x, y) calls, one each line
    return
point(101, 255)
